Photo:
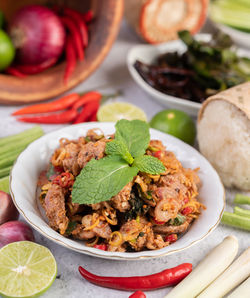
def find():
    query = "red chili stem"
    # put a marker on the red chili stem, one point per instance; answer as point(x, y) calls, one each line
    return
point(59, 118)
point(76, 35)
point(70, 59)
point(137, 294)
point(15, 72)
point(78, 20)
point(168, 277)
point(57, 105)
point(87, 111)
point(34, 69)
point(88, 16)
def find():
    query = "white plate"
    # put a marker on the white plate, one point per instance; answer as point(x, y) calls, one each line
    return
point(35, 158)
point(148, 54)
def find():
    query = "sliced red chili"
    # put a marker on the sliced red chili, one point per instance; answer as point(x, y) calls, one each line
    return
point(187, 210)
point(159, 222)
point(65, 179)
point(137, 294)
point(168, 277)
point(101, 246)
point(157, 154)
point(171, 238)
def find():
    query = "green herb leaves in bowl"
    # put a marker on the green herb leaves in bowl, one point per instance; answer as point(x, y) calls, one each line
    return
point(101, 179)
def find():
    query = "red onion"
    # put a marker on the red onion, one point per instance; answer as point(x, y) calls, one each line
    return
point(13, 231)
point(38, 35)
point(8, 210)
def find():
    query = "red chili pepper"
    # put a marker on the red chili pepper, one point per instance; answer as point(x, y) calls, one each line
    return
point(59, 118)
point(88, 16)
point(70, 59)
point(159, 222)
point(57, 105)
point(64, 179)
point(87, 111)
point(58, 169)
point(77, 18)
point(33, 69)
point(137, 294)
point(76, 36)
point(171, 238)
point(86, 98)
point(101, 246)
point(186, 200)
point(157, 154)
point(187, 210)
point(168, 277)
point(93, 118)
point(15, 72)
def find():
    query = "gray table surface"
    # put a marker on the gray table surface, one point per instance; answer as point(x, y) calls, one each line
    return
point(111, 76)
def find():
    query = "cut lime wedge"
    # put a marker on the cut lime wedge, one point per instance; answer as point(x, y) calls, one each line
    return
point(4, 184)
point(27, 269)
point(120, 110)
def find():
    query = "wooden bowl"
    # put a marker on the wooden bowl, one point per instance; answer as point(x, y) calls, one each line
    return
point(48, 84)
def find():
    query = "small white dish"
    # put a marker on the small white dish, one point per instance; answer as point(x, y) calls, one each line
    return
point(35, 158)
point(148, 54)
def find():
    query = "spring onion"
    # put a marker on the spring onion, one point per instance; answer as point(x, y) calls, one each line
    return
point(236, 220)
point(207, 270)
point(230, 278)
point(242, 212)
point(242, 291)
point(241, 199)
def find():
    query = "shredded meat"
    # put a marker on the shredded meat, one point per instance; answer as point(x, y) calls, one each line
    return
point(166, 209)
point(54, 205)
point(81, 234)
point(102, 229)
point(89, 151)
point(165, 229)
point(155, 241)
point(70, 161)
point(121, 200)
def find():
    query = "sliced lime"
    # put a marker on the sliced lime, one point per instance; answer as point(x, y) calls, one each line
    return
point(120, 110)
point(4, 184)
point(27, 269)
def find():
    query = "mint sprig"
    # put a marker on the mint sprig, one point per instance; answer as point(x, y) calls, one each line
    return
point(101, 179)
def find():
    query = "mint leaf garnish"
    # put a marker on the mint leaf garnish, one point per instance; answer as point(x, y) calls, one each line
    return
point(119, 148)
point(135, 134)
point(101, 179)
point(149, 164)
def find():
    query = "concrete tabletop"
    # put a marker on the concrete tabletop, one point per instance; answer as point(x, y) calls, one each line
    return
point(113, 75)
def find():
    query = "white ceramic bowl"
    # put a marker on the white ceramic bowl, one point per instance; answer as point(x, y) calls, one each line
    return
point(34, 159)
point(148, 54)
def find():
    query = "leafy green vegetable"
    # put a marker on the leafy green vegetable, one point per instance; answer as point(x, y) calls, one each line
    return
point(135, 134)
point(101, 179)
point(149, 164)
point(71, 226)
point(179, 220)
point(119, 148)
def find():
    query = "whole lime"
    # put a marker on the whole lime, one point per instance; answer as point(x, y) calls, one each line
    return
point(7, 50)
point(176, 123)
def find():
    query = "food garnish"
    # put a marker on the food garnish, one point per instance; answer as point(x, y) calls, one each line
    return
point(218, 259)
point(27, 269)
point(204, 69)
point(102, 179)
point(165, 278)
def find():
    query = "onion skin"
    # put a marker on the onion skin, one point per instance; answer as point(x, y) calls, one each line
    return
point(8, 210)
point(13, 231)
point(38, 35)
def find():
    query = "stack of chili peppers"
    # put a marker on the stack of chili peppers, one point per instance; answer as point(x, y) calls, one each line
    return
point(73, 108)
point(77, 37)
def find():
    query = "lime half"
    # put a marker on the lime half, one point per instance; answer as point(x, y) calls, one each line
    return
point(27, 269)
point(4, 184)
point(120, 110)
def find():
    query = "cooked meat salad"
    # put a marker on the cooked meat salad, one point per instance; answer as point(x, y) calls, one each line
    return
point(150, 212)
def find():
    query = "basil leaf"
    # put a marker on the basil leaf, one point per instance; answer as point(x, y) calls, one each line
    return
point(101, 179)
point(149, 164)
point(119, 148)
point(135, 134)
